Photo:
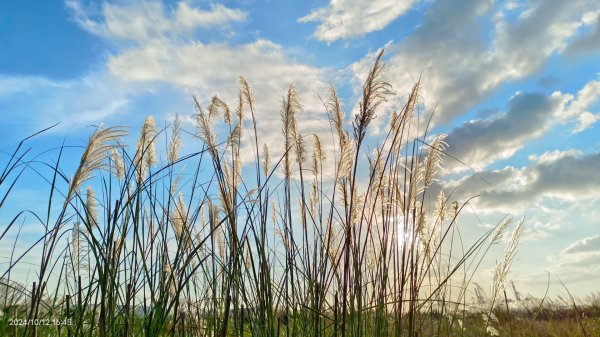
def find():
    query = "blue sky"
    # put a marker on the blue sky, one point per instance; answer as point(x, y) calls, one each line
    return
point(515, 83)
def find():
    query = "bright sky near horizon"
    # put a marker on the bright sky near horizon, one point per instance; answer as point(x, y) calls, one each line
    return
point(515, 85)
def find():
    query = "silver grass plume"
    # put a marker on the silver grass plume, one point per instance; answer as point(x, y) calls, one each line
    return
point(317, 159)
point(289, 106)
point(239, 111)
point(314, 198)
point(117, 162)
point(204, 125)
point(179, 221)
point(346, 160)
point(247, 93)
point(213, 214)
point(499, 230)
point(334, 107)
point(434, 159)
point(75, 246)
point(145, 155)
point(318, 155)
point(412, 101)
point(217, 104)
point(440, 207)
point(247, 255)
point(175, 145)
point(266, 164)
point(91, 207)
point(503, 267)
point(375, 92)
point(101, 142)
point(274, 212)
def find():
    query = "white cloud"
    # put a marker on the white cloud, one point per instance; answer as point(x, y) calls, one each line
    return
point(150, 20)
point(552, 156)
point(208, 69)
point(578, 108)
point(343, 19)
point(166, 53)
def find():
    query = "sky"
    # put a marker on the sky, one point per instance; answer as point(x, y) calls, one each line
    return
point(514, 84)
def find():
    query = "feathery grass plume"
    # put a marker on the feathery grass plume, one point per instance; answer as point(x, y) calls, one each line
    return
point(394, 121)
point(356, 209)
point(314, 197)
point(317, 159)
point(434, 159)
point(274, 212)
point(117, 161)
point(247, 255)
point(230, 185)
point(217, 104)
point(502, 268)
point(412, 101)
point(346, 160)
point(300, 148)
point(237, 170)
point(179, 218)
point(213, 214)
point(233, 140)
point(318, 155)
point(289, 106)
point(440, 207)
point(375, 92)
point(376, 166)
point(499, 230)
point(175, 145)
point(145, 155)
point(266, 164)
point(334, 107)
point(75, 246)
point(91, 207)
point(95, 155)
point(247, 93)
point(204, 125)
point(239, 110)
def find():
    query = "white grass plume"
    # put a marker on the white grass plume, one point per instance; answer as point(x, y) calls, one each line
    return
point(101, 142)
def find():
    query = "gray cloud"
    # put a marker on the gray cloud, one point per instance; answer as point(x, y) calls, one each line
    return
point(481, 142)
point(588, 43)
point(562, 175)
point(589, 244)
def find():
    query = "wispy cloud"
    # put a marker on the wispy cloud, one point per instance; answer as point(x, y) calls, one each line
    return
point(350, 18)
point(151, 20)
point(589, 244)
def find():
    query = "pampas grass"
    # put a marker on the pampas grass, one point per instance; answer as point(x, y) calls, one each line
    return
point(262, 249)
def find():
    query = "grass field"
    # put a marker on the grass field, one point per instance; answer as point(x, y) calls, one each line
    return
point(341, 240)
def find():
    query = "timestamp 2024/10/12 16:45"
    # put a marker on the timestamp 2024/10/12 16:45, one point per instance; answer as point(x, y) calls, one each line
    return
point(40, 321)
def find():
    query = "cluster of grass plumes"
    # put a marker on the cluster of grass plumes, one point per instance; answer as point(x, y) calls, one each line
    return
point(202, 245)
